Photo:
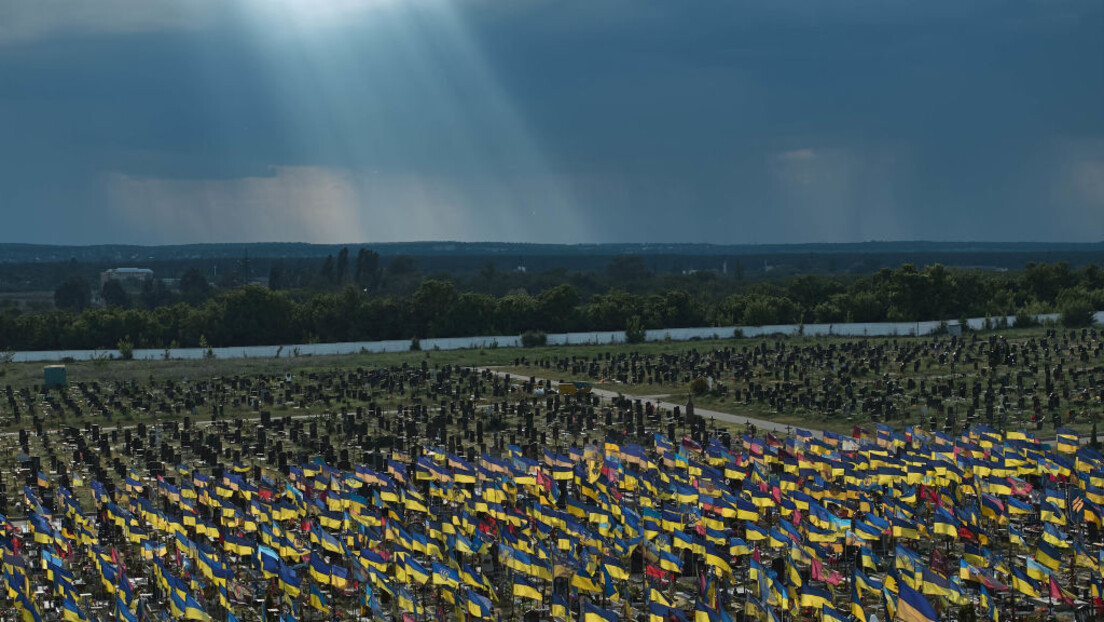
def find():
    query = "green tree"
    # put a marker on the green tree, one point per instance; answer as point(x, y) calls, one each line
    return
point(433, 304)
point(154, 294)
point(402, 265)
point(626, 269)
point(194, 287)
point(557, 308)
point(1075, 312)
point(114, 295)
point(366, 271)
point(73, 293)
point(611, 311)
point(277, 276)
point(634, 330)
point(759, 312)
point(342, 268)
point(327, 272)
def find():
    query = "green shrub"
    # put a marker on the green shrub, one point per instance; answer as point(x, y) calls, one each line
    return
point(126, 348)
point(634, 330)
point(699, 386)
point(1025, 320)
point(534, 338)
point(1076, 313)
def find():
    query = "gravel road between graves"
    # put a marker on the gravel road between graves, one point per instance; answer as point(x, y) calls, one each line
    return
point(761, 424)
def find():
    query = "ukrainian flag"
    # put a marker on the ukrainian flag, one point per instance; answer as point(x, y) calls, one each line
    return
point(584, 581)
point(829, 614)
point(525, 589)
point(1048, 555)
point(856, 604)
point(443, 575)
point(593, 613)
point(480, 606)
point(339, 577)
point(1053, 536)
point(318, 600)
point(815, 597)
point(913, 607)
point(1024, 584)
point(736, 547)
point(407, 602)
point(559, 607)
point(1037, 571)
point(714, 557)
point(187, 608)
point(669, 561)
point(124, 614)
point(754, 533)
point(319, 570)
point(71, 612)
point(416, 571)
point(866, 531)
point(1068, 441)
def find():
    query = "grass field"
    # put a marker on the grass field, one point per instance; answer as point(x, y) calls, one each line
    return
point(542, 362)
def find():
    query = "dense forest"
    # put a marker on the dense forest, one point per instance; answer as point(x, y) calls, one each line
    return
point(357, 307)
point(29, 268)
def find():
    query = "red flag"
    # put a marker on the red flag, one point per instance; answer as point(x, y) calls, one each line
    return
point(833, 578)
point(655, 572)
point(1056, 591)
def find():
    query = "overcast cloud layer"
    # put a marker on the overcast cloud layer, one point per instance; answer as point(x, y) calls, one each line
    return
point(160, 121)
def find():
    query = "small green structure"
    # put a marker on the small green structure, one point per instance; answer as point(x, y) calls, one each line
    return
point(54, 375)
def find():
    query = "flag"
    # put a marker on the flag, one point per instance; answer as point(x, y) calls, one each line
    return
point(318, 600)
point(71, 612)
point(1056, 591)
point(815, 597)
point(1023, 583)
point(526, 589)
point(559, 607)
point(479, 606)
point(986, 601)
point(829, 614)
point(856, 603)
point(289, 581)
point(593, 613)
point(913, 607)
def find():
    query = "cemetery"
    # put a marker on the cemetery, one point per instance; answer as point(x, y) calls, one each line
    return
point(939, 473)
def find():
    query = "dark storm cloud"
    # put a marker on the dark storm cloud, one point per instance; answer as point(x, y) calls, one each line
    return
point(716, 122)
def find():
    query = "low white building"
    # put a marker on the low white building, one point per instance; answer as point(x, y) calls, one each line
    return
point(132, 279)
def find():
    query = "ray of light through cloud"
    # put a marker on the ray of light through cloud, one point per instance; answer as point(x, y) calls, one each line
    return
point(350, 115)
point(372, 120)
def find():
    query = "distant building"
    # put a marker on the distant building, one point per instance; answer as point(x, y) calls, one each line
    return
point(132, 279)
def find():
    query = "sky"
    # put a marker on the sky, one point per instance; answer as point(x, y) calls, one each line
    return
point(572, 121)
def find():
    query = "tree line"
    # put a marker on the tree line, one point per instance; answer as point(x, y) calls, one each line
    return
point(259, 315)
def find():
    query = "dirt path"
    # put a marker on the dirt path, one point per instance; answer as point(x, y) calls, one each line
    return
point(762, 424)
